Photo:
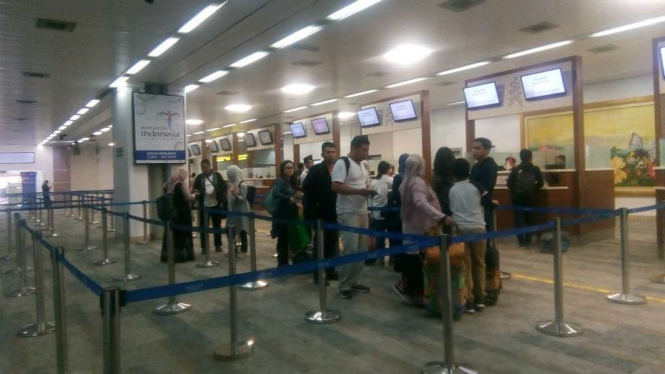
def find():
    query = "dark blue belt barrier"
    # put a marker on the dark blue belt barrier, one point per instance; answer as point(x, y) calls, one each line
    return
point(555, 210)
point(502, 234)
point(21, 209)
point(147, 220)
point(290, 222)
point(647, 208)
point(602, 217)
point(368, 232)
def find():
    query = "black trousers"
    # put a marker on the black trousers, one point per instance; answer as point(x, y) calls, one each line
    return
point(282, 245)
point(412, 274)
point(523, 219)
point(216, 224)
point(330, 240)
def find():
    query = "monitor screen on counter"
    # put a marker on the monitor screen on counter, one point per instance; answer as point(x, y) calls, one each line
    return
point(320, 126)
point(403, 110)
point(544, 84)
point(225, 143)
point(481, 96)
point(249, 140)
point(368, 117)
point(298, 130)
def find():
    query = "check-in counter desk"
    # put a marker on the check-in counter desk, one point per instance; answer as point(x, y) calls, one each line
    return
point(560, 191)
point(263, 185)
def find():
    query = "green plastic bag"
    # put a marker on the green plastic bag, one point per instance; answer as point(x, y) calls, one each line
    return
point(298, 237)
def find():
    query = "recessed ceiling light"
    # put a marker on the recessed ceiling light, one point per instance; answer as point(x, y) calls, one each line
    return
point(325, 102)
point(631, 26)
point(56, 132)
point(199, 18)
point(214, 76)
point(91, 103)
point(297, 89)
point(97, 133)
point(191, 87)
point(360, 93)
point(194, 122)
point(286, 133)
point(74, 117)
point(198, 132)
point(83, 111)
point(208, 140)
point(462, 68)
point(62, 128)
point(105, 129)
point(188, 135)
point(407, 54)
point(83, 140)
point(245, 121)
point(166, 44)
point(241, 134)
point(240, 108)
point(249, 59)
point(297, 36)
point(539, 49)
point(137, 67)
point(345, 115)
point(229, 125)
point(111, 144)
point(456, 103)
point(67, 123)
point(213, 129)
point(352, 9)
point(295, 109)
point(406, 82)
point(120, 82)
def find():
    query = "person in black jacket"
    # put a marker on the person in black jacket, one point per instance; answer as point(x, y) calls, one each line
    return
point(523, 182)
point(212, 194)
point(320, 203)
point(485, 172)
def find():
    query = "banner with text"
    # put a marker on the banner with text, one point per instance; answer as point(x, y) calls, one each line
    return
point(159, 129)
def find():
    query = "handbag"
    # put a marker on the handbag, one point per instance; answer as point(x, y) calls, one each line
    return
point(455, 251)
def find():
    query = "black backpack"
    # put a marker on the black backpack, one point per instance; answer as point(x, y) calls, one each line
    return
point(251, 194)
point(165, 207)
point(525, 184)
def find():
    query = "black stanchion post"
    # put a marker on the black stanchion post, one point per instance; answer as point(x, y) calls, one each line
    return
point(258, 284)
point(145, 241)
point(105, 242)
point(51, 222)
point(10, 238)
point(17, 244)
point(92, 211)
point(79, 217)
point(323, 315)
point(558, 327)
point(112, 210)
point(40, 220)
point(110, 302)
point(59, 311)
point(504, 275)
point(129, 276)
point(23, 290)
point(64, 204)
point(625, 296)
point(207, 262)
point(40, 327)
point(448, 365)
point(86, 246)
point(172, 306)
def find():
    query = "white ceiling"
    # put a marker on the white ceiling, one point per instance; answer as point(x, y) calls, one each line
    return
point(111, 36)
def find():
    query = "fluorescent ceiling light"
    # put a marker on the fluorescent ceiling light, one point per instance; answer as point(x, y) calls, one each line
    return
point(360, 93)
point(467, 67)
point(194, 122)
point(297, 36)
point(631, 26)
point(249, 59)
point(188, 135)
point(345, 115)
point(191, 87)
point(199, 18)
point(138, 67)
point(229, 125)
point(91, 103)
point(111, 144)
point(83, 111)
point(240, 108)
point(295, 109)
point(456, 103)
point(351, 9)
point(105, 129)
point(211, 130)
point(407, 82)
point(325, 102)
point(241, 134)
point(67, 123)
point(120, 82)
point(74, 117)
point(208, 140)
point(62, 128)
point(198, 132)
point(56, 132)
point(166, 44)
point(407, 54)
point(97, 133)
point(245, 121)
point(214, 76)
point(297, 89)
point(83, 140)
point(539, 49)
point(286, 133)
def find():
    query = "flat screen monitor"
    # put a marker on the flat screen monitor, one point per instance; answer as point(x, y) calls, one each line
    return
point(189, 152)
point(298, 130)
point(265, 137)
point(196, 150)
point(212, 146)
point(368, 117)
point(481, 96)
point(225, 143)
point(403, 111)
point(320, 126)
point(543, 85)
point(249, 140)
point(662, 60)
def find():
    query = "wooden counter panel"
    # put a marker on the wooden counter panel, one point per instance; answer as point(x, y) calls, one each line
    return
point(599, 194)
point(544, 198)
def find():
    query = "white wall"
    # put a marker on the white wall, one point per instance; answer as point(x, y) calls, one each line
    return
point(93, 168)
point(43, 162)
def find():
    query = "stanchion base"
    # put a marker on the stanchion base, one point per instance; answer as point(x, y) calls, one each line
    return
point(195, 235)
point(172, 308)
point(243, 349)
point(441, 368)
point(79, 218)
point(208, 264)
point(658, 279)
point(37, 329)
point(110, 230)
point(104, 262)
point(23, 291)
point(95, 222)
point(564, 330)
point(506, 275)
point(87, 249)
point(143, 243)
point(627, 299)
point(41, 224)
point(16, 271)
point(54, 235)
point(127, 278)
point(321, 317)
point(7, 258)
point(254, 286)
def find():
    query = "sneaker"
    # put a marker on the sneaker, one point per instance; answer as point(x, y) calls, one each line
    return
point(402, 293)
point(219, 249)
point(470, 311)
point(345, 294)
point(360, 288)
point(479, 307)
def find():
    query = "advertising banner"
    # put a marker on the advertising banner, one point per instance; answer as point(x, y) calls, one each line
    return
point(159, 129)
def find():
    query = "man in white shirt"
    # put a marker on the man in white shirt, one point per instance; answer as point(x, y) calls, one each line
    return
point(309, 162)
point(351, 181)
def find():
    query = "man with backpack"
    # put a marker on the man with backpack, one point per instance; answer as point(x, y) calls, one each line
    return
point(523, 182)
point(212, 195)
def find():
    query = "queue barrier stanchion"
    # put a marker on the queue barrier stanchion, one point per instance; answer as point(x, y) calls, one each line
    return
point(105, 243)
point(59, 311)
point(92, 212)
point(145, 241)
point(40, 327)
point(258, 284)
point(71, 206)
point(31, 214)
point(23, 289)
point(10, 238)
point(40, 220)
point(172, 306)
point(112, 210)
point(129, 276)
point(80, 204)
point(110, 305)
point(323, 315)
point(64, 203)
point(51, 222)
point(207, 262)
point(625, 296)
point(86, 246)
point(18, 245)
point(235, 349)
point(558, 327)
point(504, 274)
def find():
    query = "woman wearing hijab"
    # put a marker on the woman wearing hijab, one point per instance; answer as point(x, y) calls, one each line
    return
point(393, 220)
point(237, 198)
point(420, 212)
point(442, 177)
point(183, 246)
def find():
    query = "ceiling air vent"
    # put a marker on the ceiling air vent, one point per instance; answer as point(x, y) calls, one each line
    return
point(227, 93)
point(26, 101)
point(460, 5)
point(604, 48)
point(305, 47)
point(446, 83)
point(307, 63)
point(54, 24)
point(32, 74)
point(539, 27)
point(378, 74)
point(21, 119)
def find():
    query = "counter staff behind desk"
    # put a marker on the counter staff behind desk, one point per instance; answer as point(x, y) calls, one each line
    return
point(523, 182)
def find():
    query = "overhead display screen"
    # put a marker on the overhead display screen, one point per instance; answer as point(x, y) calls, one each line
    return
point(196, 150)
point(403, 111)
point(320, 126)
point(368, 117)
point(249, 140)
point(225, 143)
point(480, 96)
point(212, 146)
point(298, 130)
point(544, 84)
point(265, 137)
